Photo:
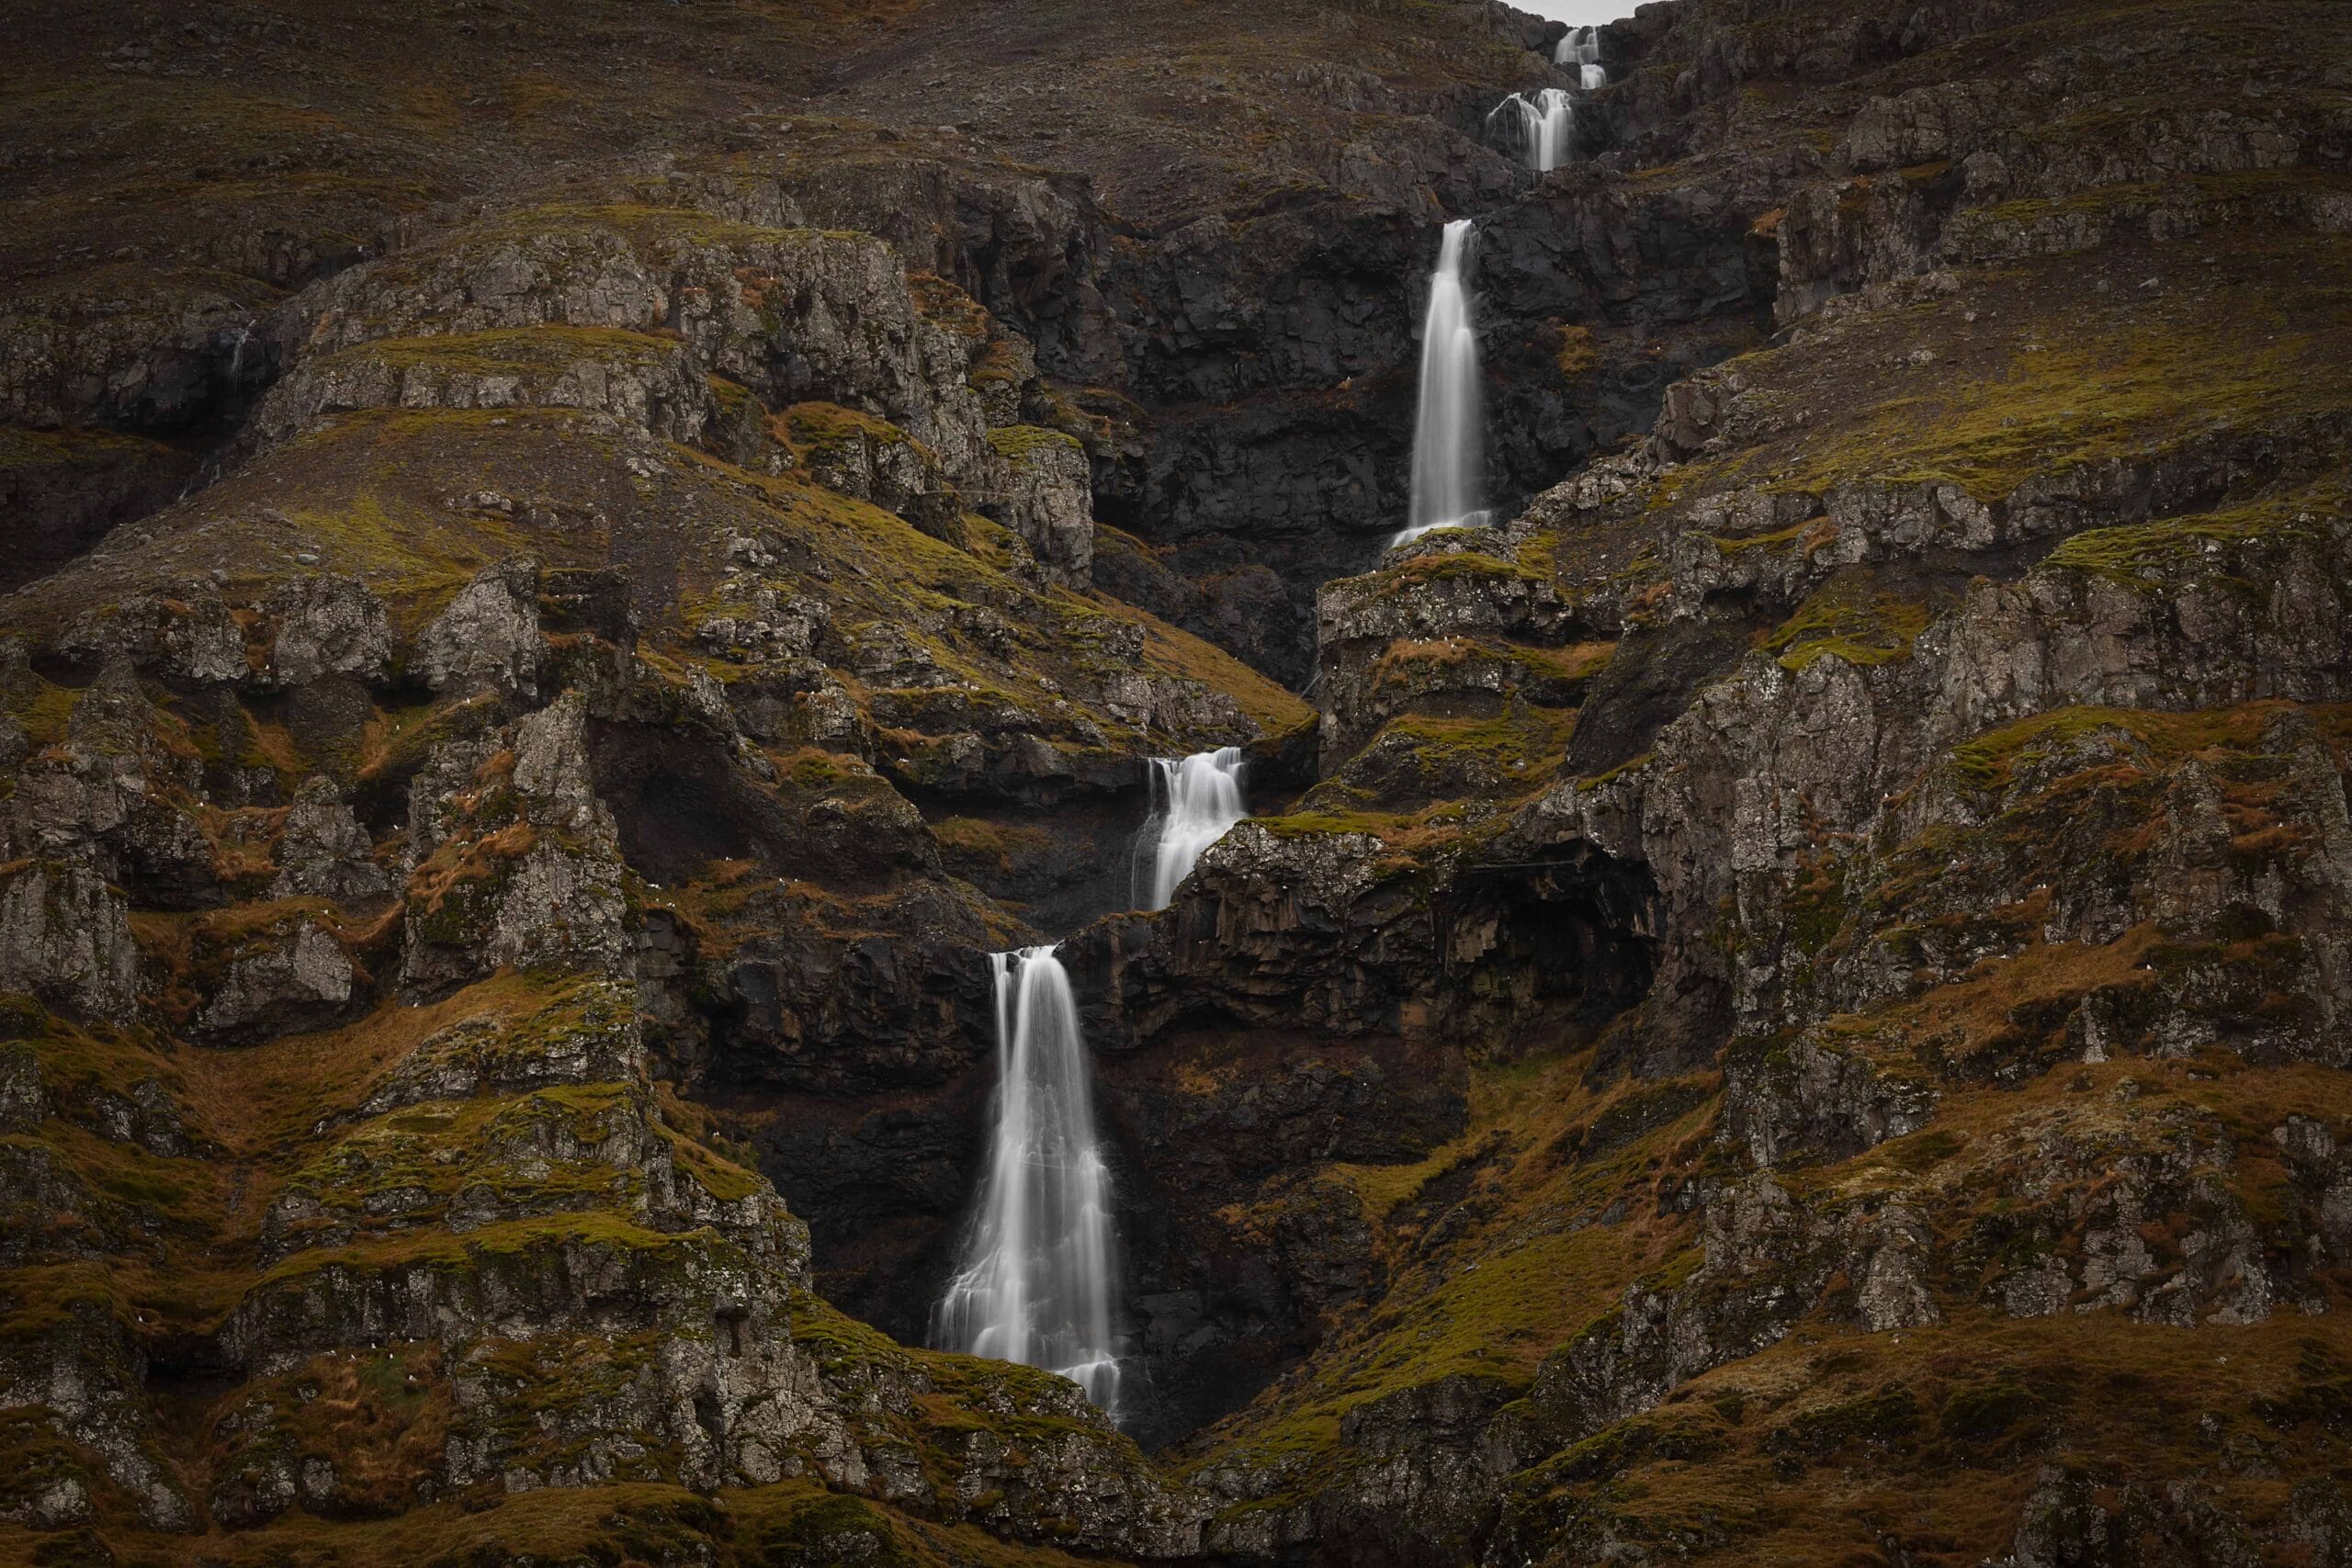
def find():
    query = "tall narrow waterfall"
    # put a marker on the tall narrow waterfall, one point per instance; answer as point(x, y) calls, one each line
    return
point(1448, 466)
point(1545, 126)
point(1038, 1283)
point(1193, 800)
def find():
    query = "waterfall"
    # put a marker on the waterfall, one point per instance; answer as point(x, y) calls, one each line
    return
point(1193, 800)
point(1037, 1284)
point(1545, 126)
point(1447, 464)
point(1579, 45)
point(1581, 49)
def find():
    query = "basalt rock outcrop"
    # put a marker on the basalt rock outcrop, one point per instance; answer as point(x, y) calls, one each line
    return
point(1983, 848)
point(573, 575)
point(522, 732)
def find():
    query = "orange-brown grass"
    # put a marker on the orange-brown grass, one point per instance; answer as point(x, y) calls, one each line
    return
point(560, 1524)
point(1522, 1280)
point(256, 1109)
point(260, 1101)
point(243, 839)
point(713, 901)
point(1978, 1012)
point(384, 1415)
point(188, 952)
point(1972, 1408)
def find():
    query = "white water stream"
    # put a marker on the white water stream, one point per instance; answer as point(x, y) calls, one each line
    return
point(1448, 459)
point(1039, 1282)
point(1193, 800)
point(1580, 47)
point(1545, 126)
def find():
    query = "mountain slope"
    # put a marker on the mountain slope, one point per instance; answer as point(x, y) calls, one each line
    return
point(1786, 1008)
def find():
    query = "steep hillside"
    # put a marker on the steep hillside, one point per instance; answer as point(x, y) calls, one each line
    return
point(575, 570)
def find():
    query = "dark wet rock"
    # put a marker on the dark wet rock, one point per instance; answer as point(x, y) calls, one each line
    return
point(293, 976)
point(65, 936)
point(322, 851)
point(63, 489)
point(489, 636)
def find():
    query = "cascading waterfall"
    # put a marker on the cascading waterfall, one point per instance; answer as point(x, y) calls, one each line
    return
point(1448, 464)
point(1038, 1284)
point(1579, 47)
point(1193, 800)
point(1545, 126)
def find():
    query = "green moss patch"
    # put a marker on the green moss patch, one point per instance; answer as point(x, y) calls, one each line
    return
point(2060, 378)
point(1849, 618)
point(1020, 444)
point(522, 352)
point(1987, 761)
point(826, 430)
point(2143, 556)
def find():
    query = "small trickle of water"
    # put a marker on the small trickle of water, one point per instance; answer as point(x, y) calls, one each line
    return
point(1447, 459)
point(1193, 800)
point(1545, 126)
point(1038, 1284)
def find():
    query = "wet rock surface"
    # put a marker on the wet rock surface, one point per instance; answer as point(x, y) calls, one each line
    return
point(1784, 1000)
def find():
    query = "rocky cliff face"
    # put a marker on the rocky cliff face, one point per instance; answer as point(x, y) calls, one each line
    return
point(1785, 1002)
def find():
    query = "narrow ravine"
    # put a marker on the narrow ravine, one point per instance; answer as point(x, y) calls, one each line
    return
point(1261, 786)
point(1037, 1280)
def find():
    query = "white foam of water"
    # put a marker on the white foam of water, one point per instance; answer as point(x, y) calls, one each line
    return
point(1038, 1282)
point(1448, 456)
point(1579, 46)
point(1193, 800)
point(1545, 126)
